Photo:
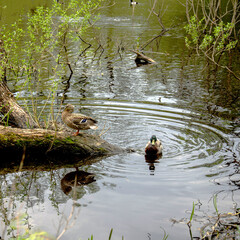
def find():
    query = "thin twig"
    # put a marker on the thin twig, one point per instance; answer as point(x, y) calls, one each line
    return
point(68, 225)
point(102, 131)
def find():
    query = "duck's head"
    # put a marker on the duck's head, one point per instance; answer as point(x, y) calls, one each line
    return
point(153, 139)
point(69, 108)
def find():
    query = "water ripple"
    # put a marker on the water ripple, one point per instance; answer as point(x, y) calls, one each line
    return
point(187, 142)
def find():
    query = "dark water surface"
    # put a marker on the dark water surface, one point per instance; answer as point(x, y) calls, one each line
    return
point(193, 117)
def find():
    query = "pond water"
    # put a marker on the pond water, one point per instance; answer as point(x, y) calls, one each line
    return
point(192, 115)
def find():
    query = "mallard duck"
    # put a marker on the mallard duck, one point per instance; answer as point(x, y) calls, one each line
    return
point(154, 146)
point(133, 3)
point(77, 121)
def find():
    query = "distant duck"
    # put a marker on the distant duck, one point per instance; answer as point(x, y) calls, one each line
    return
point(133, 2)
point(154, 146)
point(77, 121)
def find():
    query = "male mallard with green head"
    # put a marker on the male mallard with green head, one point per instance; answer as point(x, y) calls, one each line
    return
point(77, 121)
point(154, 146)
point(132, 2)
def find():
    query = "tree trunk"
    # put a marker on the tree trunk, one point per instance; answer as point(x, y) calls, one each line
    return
point(12, 112)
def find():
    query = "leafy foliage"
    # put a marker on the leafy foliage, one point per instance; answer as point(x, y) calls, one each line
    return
point(212, 30)
point(36, 49)
point(217, 39)
point(45, 32)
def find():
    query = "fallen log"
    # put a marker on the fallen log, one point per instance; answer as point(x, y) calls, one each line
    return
point(41, 146)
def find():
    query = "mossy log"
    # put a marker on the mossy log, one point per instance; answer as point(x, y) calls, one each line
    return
point(36, 147)
point(40, 146)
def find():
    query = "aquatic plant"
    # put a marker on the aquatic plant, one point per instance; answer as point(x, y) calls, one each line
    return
point(220, 226)
point(212, 30)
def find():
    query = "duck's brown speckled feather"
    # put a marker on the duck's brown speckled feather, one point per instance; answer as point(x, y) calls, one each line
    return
point(155, 148)
point(77, 121)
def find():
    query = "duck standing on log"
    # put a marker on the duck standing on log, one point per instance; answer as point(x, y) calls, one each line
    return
point(77, 121)
point(154, 146)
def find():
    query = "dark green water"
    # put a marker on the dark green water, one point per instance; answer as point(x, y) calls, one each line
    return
point(193, 113)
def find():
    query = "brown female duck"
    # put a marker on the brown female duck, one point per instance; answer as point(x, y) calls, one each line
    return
point(77, 121)
point(154, 146)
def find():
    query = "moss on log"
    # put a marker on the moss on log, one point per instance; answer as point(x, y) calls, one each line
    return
point(39, 146)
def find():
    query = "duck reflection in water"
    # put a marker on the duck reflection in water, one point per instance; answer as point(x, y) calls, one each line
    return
point(76, 178)
point(153, 152)
point(151, 160)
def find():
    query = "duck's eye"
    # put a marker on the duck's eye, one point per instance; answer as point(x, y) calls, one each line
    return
point(83, 120)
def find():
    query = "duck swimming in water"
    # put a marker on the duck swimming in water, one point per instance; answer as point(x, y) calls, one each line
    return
point(154, 146)
point(76, 120)
point(133, 2)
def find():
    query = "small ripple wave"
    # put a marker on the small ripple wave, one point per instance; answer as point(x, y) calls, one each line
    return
point(187, 142)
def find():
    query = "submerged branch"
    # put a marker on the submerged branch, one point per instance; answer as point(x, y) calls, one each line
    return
point(154, 38)
point(221, 66)
point(85, 49)
point(141, 58)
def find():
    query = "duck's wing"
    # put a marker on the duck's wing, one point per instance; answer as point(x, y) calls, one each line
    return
point(158, 143)
point(82, 120)
point(91, 119)
point(159, 146)
point(148, 144)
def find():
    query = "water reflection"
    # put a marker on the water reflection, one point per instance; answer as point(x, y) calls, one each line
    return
point(74, 179)
point(191, 120)
point(194, 153)
point(26, 195)
point(152, 160)
point(164, 186)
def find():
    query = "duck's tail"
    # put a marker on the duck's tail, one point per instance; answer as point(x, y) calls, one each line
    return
point(94, 127)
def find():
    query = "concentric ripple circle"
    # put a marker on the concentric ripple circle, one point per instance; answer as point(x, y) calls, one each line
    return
point(187, 142)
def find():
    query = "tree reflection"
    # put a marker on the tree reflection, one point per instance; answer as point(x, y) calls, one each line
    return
point(24, 193)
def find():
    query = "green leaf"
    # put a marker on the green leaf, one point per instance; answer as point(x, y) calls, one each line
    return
point(215, 203)
point(192, 213)
point(110, 235)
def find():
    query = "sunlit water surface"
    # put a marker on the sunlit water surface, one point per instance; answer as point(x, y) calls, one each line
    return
point(139, 199)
